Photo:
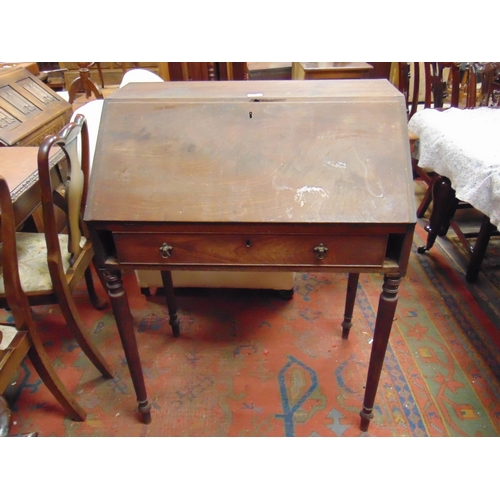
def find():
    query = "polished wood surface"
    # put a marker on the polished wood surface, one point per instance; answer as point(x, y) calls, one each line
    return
point(265, 175)
point(329, 70)
point(29, 109)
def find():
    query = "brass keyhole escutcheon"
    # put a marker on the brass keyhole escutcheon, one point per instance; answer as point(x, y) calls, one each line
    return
point(166, 250)
point(320, 251)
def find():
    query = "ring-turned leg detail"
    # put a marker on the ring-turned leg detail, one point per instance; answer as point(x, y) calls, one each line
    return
point(125, 322)
point(385, 316)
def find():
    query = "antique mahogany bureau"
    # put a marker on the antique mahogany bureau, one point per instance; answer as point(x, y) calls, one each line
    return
point(253, 175)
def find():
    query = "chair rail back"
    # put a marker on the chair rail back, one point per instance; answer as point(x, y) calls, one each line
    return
point(76, 187)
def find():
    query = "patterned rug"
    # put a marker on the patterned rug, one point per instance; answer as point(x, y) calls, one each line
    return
point(248, 363)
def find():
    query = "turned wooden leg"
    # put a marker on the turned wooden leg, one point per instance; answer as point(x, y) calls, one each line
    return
point(385, 316)
point(168, 287)
point(125, 323)
point(443, 209)
point(83, 84)
point(352, 287)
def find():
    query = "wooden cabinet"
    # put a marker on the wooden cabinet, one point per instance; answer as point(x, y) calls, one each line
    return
point(29, 109)
point(329, 70)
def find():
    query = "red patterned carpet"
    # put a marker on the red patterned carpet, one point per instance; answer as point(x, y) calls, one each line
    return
point(250, 364)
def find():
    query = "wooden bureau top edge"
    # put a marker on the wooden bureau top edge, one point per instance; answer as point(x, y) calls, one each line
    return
point(292, 152)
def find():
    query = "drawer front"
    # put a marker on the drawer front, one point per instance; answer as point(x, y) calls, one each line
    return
point(257, 249)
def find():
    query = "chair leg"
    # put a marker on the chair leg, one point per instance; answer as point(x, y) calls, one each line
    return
point(97, 302)
point(479, 250)
point(43, 366)
point(444, 206)
point(74, 323)
point(352, 288)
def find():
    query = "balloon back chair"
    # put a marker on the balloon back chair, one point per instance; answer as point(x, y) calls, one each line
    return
point(52, 264)
point(22, 338)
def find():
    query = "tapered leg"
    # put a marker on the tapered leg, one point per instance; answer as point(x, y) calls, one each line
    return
point(125, 323)
point(168, 287)
point(385, 316)
point(352, 287)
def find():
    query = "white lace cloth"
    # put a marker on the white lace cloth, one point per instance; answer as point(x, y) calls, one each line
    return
point(463, 145)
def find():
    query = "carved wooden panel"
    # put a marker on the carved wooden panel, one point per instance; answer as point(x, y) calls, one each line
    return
point(29, 109)
point(7, 121)
point(37, 91)
point(13, 97)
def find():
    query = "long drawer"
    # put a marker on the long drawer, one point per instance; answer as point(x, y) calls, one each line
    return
point(256, 249)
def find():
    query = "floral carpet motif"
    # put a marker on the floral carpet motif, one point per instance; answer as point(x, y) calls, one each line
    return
point(249, 363)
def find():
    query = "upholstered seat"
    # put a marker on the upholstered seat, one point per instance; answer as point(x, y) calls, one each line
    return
point(32, 261)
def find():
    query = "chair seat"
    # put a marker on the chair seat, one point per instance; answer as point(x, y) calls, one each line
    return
point(32, 258)
point(8, 335)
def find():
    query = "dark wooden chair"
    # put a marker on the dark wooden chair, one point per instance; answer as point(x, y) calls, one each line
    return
point(409, 85)
point(25, 339)
point(443, 82)
point(52, 264)
point(480, 90)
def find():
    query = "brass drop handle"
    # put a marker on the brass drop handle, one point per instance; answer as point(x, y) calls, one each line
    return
point(320, 251)
point(166, 250)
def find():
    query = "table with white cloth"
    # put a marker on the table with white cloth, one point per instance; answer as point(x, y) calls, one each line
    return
point(462, 147)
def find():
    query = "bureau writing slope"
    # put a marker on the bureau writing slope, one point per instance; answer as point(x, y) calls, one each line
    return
point(263, 175)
